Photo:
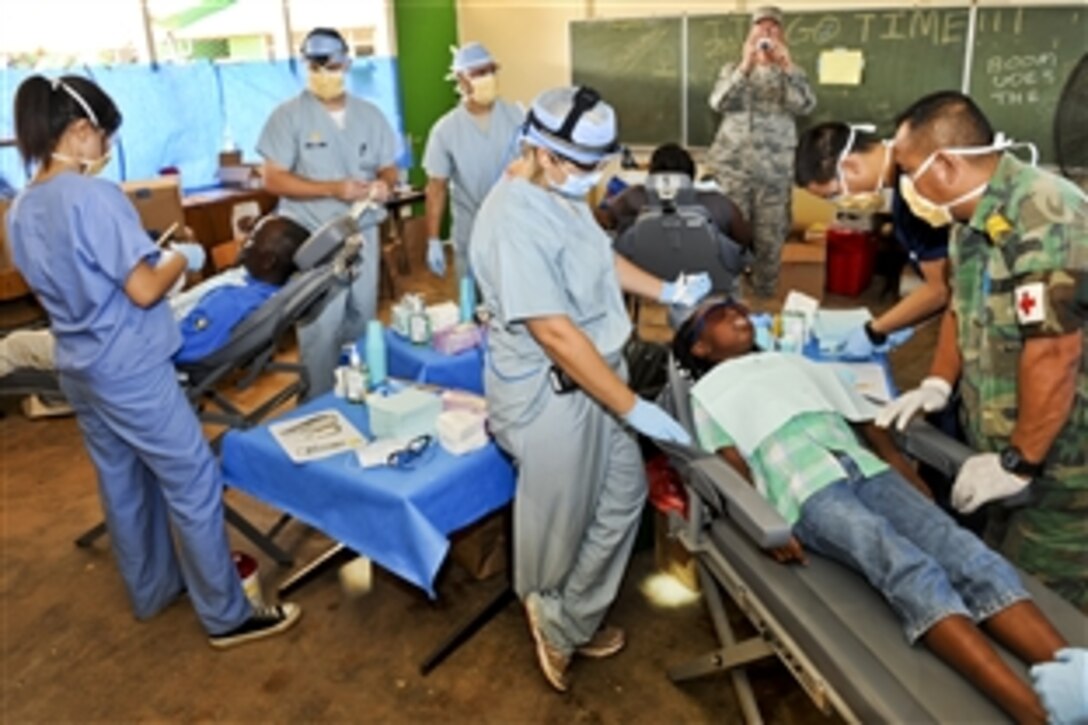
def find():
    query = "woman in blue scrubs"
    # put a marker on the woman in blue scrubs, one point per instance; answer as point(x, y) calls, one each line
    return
point(79, 244)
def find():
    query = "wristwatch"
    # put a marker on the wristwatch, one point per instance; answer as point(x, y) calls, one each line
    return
point(877, 338)
point(1013, 461)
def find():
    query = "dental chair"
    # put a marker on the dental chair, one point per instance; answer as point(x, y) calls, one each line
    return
point(326, 257)
point(674, 234)
point(832, 630)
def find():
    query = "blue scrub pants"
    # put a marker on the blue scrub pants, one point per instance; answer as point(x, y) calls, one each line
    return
point(156, 471)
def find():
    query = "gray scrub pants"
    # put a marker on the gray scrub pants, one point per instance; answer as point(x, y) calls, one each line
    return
point(580, 491)
point(342, 318)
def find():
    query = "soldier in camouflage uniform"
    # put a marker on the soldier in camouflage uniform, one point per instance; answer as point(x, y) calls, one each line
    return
point(752, 154)
point(1014, 336)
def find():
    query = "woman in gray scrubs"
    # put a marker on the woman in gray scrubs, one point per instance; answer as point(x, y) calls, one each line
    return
point(555, 377)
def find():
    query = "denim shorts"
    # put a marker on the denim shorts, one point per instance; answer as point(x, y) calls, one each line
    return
point(923, 562)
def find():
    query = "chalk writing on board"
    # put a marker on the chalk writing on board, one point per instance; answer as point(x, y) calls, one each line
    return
point(940, 28)
point(1017, 80)
point(998, 21)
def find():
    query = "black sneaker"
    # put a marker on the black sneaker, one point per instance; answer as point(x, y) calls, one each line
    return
point(264, 622)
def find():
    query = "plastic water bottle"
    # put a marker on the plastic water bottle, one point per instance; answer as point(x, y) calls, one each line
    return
point(355, 377)
point(468, 299)
point(376, 359)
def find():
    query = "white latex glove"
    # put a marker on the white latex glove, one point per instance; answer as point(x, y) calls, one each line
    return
point(982, 479)
point(930, 396)
point(436, 257)
point(687, 290)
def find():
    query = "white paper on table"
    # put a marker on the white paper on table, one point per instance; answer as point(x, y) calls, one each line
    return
point(317, 435)
point(868, 379)
point(832, 326)
point(807, 306)
point(377, 452)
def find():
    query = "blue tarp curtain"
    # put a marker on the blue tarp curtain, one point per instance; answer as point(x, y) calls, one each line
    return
point(183, 115)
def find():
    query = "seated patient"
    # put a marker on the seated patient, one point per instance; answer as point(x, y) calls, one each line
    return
point(621, 211)
point(206, 313)
point(789, 426)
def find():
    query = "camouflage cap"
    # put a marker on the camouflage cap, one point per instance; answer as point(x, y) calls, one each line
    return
point(767, 12)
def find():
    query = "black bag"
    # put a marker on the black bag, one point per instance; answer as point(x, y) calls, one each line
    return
point(646, 366)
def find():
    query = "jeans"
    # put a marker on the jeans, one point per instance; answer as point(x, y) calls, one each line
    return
point(921, 561)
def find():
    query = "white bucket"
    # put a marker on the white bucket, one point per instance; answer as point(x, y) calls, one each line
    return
point(248, 573)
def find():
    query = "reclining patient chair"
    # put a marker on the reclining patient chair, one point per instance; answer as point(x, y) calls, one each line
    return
point(323, 259)
point(828, 626)
point(675, 234)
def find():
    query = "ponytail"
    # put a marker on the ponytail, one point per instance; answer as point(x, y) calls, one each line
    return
point(44, 109)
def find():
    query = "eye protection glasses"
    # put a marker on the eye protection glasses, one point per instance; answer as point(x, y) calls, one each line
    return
point(412, 453)
point(712, 313)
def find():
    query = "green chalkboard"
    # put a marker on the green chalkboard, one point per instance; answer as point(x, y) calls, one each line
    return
point(636, 67)
point(1022, 58)
point(907, 53)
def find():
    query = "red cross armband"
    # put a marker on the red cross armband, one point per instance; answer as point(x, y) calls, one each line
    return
point(1051, 303)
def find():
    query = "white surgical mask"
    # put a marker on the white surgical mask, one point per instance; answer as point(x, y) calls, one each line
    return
point(87, 167)
point(576, 186)
point(485, 89)
point(940, 215)
point(844, 188)
point(326, 84)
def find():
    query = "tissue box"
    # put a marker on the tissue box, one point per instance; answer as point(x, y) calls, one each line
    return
point(443, 315)
point(460, 400)
point(406, 414)
point(461, 432)
point(456, 339)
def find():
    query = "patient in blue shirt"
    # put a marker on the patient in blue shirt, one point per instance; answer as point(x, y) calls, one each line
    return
point(206, 313)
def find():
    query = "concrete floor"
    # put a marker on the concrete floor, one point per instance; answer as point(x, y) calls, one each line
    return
point(71, 649)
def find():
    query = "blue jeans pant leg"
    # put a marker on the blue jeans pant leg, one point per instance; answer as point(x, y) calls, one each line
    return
point(984, 580)
point(836, 523)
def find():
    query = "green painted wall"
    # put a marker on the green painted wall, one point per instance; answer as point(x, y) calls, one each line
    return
point(425, 31)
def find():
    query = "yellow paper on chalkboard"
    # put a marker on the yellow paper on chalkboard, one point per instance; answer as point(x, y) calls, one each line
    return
point(841, 67)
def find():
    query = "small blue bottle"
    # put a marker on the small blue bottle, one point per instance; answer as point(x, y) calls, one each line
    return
point(468, 299)
point(376, 358)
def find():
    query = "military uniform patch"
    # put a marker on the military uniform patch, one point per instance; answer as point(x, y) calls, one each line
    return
point(1031, 303)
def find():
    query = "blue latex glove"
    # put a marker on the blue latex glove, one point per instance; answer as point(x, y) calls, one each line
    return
point(761, 323)
point(1062, 685)
point(858, 346)
point(436, 257)
point(686, 290)
point(653, 422)
point(194, 254)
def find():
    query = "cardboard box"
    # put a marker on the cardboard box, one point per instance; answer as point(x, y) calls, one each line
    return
point(481, 548)
point(804, 268)
point(158, 201)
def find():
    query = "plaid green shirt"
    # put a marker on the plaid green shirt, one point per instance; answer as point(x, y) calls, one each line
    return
point(798, 459)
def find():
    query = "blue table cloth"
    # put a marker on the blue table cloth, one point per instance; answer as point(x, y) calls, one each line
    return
point(400, 518)
point(424, 364)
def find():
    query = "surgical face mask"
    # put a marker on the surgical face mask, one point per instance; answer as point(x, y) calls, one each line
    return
point(485, 89)
point(576, 186)
point(326, 84)
point(844, 188)
point(940, 215)
point(87, 167)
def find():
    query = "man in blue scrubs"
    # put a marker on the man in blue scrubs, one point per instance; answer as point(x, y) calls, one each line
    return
point(468, 148)
point(323, 151)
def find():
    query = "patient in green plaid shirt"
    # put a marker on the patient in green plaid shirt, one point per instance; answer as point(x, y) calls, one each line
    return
point(863, 505)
